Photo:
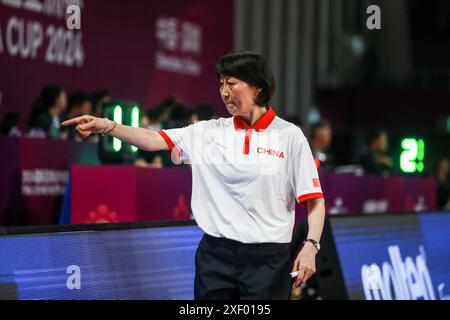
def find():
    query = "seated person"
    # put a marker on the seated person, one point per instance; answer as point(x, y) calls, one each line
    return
point(46, 114)
point(321, 136)
point(374, 159)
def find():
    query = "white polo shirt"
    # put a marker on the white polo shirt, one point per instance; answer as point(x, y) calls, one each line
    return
point(245, 181)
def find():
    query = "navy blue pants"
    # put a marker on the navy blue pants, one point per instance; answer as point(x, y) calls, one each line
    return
point(228, 269)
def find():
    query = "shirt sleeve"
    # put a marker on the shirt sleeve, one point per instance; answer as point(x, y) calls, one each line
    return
point(306, 182)
point(181, 141)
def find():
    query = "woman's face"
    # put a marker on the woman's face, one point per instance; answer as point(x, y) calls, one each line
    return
point(237, 95)
point(61, 101)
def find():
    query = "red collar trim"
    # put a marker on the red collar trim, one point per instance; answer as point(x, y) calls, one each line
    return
point(261, 124)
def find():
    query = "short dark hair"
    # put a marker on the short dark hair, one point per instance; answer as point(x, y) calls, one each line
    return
point(205, 112)
point(46, 100)
point(76, 99)
point(98, 96)
point(251, 68)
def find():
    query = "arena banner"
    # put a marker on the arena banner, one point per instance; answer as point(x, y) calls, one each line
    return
point(108, 194)
point(140, 50)
point(35, 177)
point(128, 194)
point(34, 174)
point(346, 193)
point(394, 257)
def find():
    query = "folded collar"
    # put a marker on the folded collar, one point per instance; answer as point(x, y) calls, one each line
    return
point(261, 124)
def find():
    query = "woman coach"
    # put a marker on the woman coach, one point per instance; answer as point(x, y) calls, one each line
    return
point(247, 172)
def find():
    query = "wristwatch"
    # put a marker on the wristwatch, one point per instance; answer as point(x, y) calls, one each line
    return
point(314, 242)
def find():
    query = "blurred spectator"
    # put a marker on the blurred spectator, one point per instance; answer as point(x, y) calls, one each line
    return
point(155, 118)
point(144, 121)
point(179, 116)
point(206, 112)
point(99, 99)
point(192, 116)
point(321, 136)
point(443, 184)
point(9, 125)
point(374, 159)
point(45, 116)
point(160, 114)
point(79, 104)
point(149, 160)
point(146, 159)
point(170, 113)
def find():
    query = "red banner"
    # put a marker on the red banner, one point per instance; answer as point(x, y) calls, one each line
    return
point(127, 193)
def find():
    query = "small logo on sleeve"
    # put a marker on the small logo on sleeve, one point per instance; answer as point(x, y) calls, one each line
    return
point(316, 183)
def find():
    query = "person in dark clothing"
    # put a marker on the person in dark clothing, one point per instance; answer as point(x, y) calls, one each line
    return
point(374, 159)
point(206, 112)
point(46, 113)
point(321, 136)
point(99, 99)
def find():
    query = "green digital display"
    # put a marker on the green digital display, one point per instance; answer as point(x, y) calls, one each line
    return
point(134, 122)
point(412, 156)
point(117, 117)
point(121, 113)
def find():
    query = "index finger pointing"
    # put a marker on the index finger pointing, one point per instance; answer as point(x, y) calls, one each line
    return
point(71, 121)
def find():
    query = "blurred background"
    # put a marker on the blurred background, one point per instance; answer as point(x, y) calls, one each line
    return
point(367, 81)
